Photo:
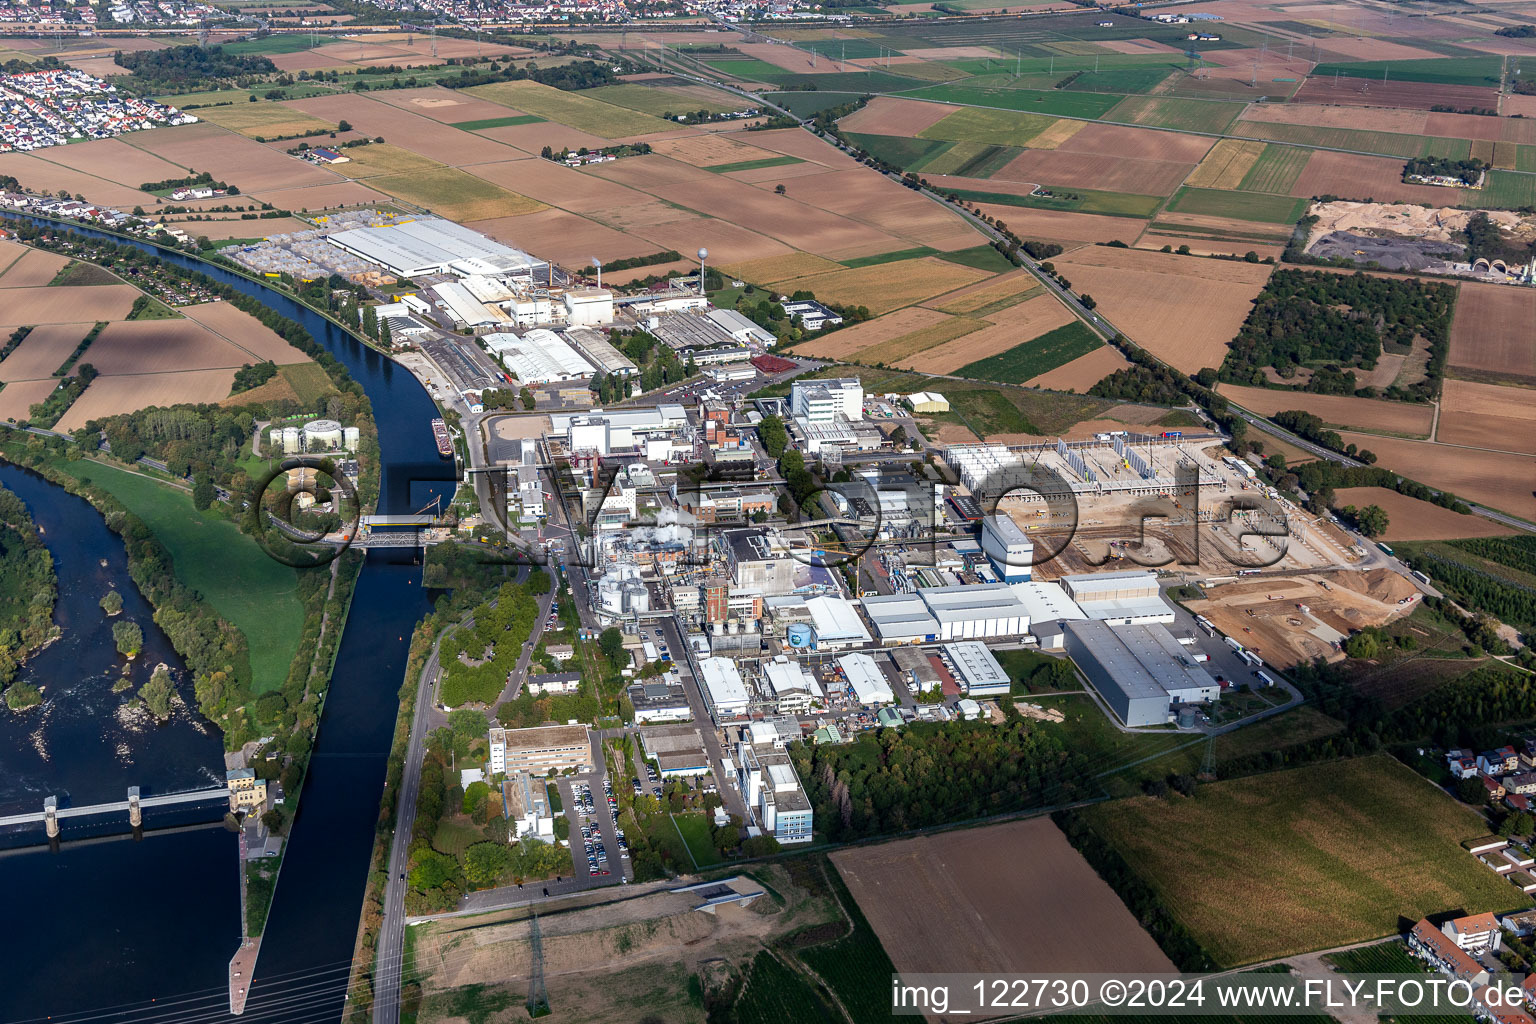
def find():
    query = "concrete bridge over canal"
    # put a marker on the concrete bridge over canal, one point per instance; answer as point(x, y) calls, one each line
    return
point(133, 807)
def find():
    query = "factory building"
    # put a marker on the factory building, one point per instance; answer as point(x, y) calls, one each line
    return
point(463, 308)
point(741, 330)
point(976, 670)
point(588, 307)
point(660, 700)
point(677, 750)
point(1139, 671)
point(599, 351)
point(974, 612)
point(793, 688)
point(1007, 547)
point(757, 564)
point(822, 401)
point(870, 687)
point(836, 623)
point(723, 689)
point(767, 781)
point(1119, 598)
point(431, 245)
point(538, 357)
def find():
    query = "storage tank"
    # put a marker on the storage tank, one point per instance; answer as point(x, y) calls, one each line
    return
point(1187, 717)
point(350, 436)
point(800, 636)
point(293, 441)
point(322, 434)
point(732, 627)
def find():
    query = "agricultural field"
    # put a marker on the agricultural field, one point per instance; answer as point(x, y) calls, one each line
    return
point(1276, 170)
point(1345, 411)
point(575, 109)
point(1238, 205)
point(886, 286)
point(1185, 115)
point(1184, 309)
point(1331, 854)
point(1499, 480)
point(264, 120)
point(1226, 165)
point(925, 898)
point(1487, 416)
point(1035, 357)
point(1491, 334)
point(1412, 519)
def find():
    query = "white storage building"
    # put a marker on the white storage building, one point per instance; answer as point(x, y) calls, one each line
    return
point(1007, 547)
point(723, 688)
point(976, 670)
point(739, 327)
point(539, 357)
point(1119, 598)
point(901, 618)
point(1140, 671)
point(431, 245)
point(463, 308)
point(793, 687)
point(868, 682)
point(836, 622)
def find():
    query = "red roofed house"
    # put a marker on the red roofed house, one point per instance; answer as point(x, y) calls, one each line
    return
point(1442, 952)
point(1476, 934)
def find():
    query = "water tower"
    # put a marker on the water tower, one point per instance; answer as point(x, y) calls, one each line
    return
point(703, 254)
point(599, 265)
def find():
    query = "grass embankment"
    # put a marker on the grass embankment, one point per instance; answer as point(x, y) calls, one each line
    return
point(258, 595)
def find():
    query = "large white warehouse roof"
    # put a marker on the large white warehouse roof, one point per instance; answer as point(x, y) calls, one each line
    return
point(539, 356)
point(723, 686)
point(867, 680)
point(431, 245)
point(836, 621)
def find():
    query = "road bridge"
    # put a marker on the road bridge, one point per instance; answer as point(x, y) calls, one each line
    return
point(133, 806)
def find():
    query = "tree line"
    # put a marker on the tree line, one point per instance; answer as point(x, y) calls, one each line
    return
point(28, 588)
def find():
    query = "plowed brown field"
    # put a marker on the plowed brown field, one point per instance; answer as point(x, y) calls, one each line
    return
point(953, 902)
point(1412, 519)
point(1337, 410)
point(1494, 330)
point(1488, 416)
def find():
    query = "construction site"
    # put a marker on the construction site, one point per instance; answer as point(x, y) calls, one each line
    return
point(1298, 618)
point(1154, 502)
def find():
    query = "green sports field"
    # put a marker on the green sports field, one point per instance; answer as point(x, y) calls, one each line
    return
point(1324, 856)
point(252, 591)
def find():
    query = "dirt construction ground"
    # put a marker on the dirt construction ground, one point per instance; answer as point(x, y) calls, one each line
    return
point(603, 959)
point(957, 902)
point(1264, 615)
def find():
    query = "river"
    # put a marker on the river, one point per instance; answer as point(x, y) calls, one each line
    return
point(126, 931)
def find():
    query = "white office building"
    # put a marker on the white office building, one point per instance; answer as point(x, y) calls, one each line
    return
point(822, 401)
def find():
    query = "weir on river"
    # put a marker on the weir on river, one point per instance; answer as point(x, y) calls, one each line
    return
point(112, 927)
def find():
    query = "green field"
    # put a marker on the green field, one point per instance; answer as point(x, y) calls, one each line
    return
point(1325, 855)
point(455, 194)
point(290, 43)
point(851, 49)
point(982, 257)
point(1112, 204)
point(254, 592)
point(1450, 149)
point(1059, 103)
point(990, 127)
point(1441, 71)
point(1384, 143)
point(1034, 357)
point(987, 162)
point(774, 994)
point(660, 100)
point(694, 829)
point(752, 165)
point(749, 68)
point(897, 150)
point(1185, 115)
point(308, 380)
point(894, 256)
point(856, 967)
point(1213, 202)
point(497, 122)
point(809, 104)
point(1276, 170)
point(1123, 80)
point(1504, 190)
point(1384, 958)
point(203, 99)
point(1525, 158)
point(569, 108)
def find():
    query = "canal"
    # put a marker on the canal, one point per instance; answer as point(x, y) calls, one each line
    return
point(118, 930)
